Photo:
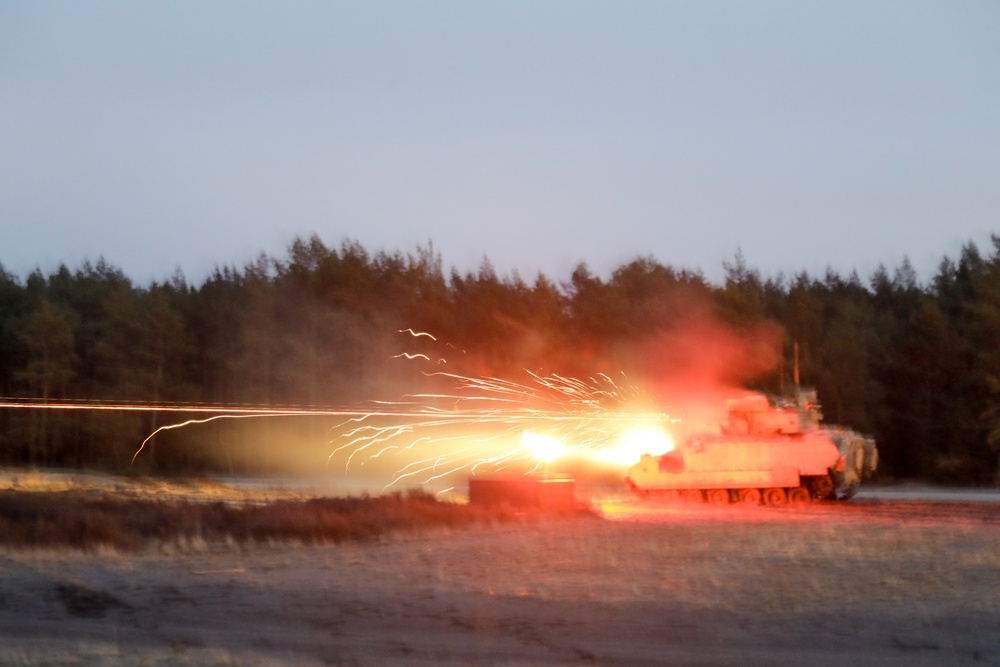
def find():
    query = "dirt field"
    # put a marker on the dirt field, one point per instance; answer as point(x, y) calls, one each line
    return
point(868, 582)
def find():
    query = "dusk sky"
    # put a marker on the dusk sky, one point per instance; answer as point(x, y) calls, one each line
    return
point(539, 134)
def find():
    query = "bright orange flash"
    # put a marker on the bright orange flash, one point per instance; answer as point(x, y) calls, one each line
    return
point(545, 448)
point(624, 450)
point(633, 443)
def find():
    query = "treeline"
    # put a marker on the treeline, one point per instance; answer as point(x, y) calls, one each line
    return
point(916, 365)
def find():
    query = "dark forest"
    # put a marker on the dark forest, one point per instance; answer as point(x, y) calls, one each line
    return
point(917, 365)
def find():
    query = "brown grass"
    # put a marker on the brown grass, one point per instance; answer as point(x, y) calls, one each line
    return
point(88, 521)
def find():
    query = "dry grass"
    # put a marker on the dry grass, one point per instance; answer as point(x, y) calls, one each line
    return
point(88, 521)
point(855, 583)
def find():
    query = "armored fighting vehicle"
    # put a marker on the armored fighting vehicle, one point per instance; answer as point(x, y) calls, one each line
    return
point(767, 451)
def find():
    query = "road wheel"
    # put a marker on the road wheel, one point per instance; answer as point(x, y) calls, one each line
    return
point(775, 497)
point(717, 496)
point(750, 497)
point(691, 496)
point(822, 487)
point(799, 497)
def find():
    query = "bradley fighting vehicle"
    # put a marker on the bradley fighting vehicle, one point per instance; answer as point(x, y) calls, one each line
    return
point(767, 451)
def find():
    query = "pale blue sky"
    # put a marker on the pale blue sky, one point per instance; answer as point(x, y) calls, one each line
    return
point(537, 133)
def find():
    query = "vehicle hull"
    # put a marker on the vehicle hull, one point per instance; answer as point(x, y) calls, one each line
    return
point(738, 463)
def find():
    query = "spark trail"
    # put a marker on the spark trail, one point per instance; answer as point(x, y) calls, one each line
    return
point(482, 424)
point(217, 411)
point(472, 428)
point(31, 404)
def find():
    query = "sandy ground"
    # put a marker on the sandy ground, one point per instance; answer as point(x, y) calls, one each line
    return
point(868, 582)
